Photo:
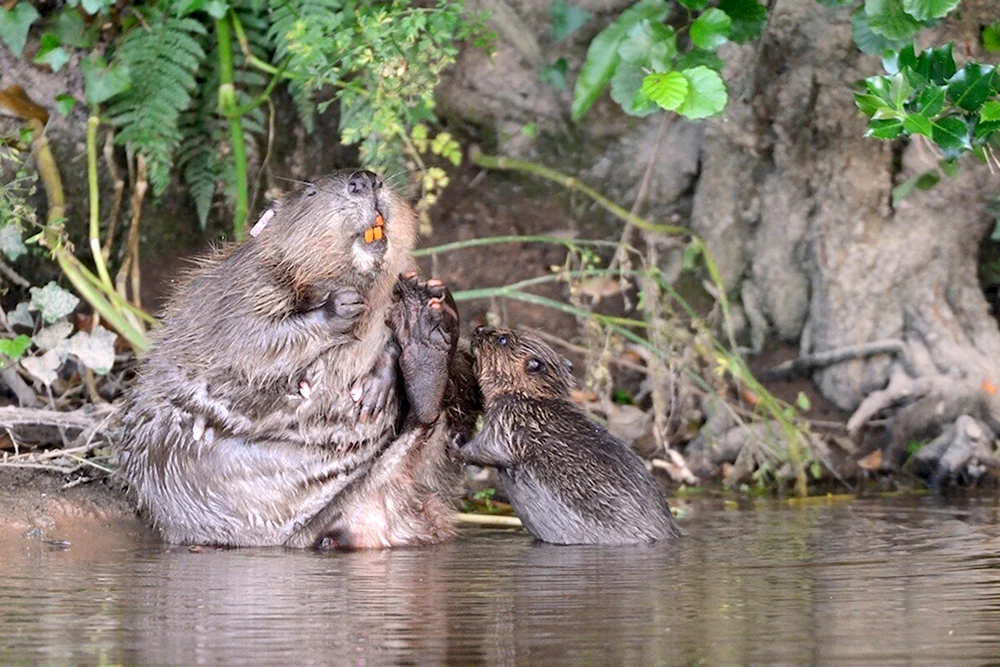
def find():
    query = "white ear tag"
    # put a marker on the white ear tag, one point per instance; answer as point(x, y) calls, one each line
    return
point(265, 218)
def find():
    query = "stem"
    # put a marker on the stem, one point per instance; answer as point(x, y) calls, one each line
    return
point(510, 164)
point(569, 244)
point(116, 299)
point(95, 204)
point(228, 107)
point(95, 298)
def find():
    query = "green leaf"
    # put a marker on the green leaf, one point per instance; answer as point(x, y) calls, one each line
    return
point(695, 5)
point(14, 26)
point(51, 53)
point(869, 104)
point(100, 82)
point(96, 6)
point(14, 348)
point(916, 124)
point(866, 40)
point(706, 95)
point(899, 90)
point(802, 401)
point(72, 31)
point(602, 54)
point(555, 74)
point(711, 29)
point(973, 85)
point(924, 181)
point(699, 57)
point(990, 111)
point(65, 103)
point(667, 90)
point(888, 128)
point(937, 64)
point(888, 19)
point(217, 9)
point(748, 19)
point(927, 10)
point(649, 44)
point(950, 133)
point(991, 37)
point(626, 90)
point(567, 19)
point(53, 301)
point(931, 101)
point(948, 167)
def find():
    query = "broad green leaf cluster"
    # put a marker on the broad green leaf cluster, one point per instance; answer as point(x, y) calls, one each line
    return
point(927, 94)
point(172, 75)
point(651, 65)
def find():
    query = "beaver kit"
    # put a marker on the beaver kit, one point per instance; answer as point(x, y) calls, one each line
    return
point(300, 392)
point(568, 479)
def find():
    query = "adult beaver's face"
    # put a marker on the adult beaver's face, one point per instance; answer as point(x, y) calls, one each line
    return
point(518, 363)
point(347, 221)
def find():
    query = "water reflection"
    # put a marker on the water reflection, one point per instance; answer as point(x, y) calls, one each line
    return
point(898, 581)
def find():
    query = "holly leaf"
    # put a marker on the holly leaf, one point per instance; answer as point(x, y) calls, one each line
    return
point(888, 19)
point(53, 302)
point(937, 64)
point(950, 134)
point(711, 29)
point(990, 111)
point(927, 10)
point(14, 348)
point(748, 19)
point(887, 128)
point(931, 101)
point(602, 54)
point(667, 90)
point(991, 37)
point(101, 82)
point(706, 96)
point(15, 24)
point(917, 124)
point(971, 86)
point(567, 19)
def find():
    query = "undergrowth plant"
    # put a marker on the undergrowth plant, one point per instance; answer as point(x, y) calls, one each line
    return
point(186, 83)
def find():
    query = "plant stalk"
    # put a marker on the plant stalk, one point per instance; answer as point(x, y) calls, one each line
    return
point(229, 108)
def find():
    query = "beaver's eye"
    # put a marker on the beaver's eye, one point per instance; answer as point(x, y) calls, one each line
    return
point(502, 341)
point(311, 192)
point(534, 365)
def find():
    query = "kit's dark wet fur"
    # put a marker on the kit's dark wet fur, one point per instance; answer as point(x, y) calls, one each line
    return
point(569, 480)
point(273, 409)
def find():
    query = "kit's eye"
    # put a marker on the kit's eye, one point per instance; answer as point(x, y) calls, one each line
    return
point(311, 192)
point(534, 365)
point(502, 341)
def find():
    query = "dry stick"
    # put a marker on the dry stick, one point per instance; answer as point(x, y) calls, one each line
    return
point(640, 197)
point(11, 417)
point(116, 204)
point(488, 520)
point(13, 276)
point(807, 362)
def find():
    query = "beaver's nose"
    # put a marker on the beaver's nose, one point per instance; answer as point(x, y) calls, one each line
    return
point(363, 182)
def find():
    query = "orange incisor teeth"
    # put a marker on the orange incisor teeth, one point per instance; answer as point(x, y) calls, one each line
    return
point(378, 233)
point(379, 220)
point(369, 235)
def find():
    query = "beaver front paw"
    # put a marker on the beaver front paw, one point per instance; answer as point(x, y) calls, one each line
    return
point(425, 320)
point(373, 392)
point(342, 309)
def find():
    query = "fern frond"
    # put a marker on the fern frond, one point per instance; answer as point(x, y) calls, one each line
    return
point(162, 55)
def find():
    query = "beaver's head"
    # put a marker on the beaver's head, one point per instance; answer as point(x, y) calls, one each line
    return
point(347, 223)
point(517, 363)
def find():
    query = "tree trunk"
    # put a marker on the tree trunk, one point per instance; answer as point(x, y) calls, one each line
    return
point(796, 207)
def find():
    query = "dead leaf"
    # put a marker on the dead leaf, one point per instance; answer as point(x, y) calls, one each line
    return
point(872, 462)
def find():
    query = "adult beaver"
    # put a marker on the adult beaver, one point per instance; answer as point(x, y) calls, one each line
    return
point(300, 393)
point(568, 479)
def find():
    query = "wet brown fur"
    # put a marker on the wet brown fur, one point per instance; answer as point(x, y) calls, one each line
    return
point(569, 480)
point(305, 303)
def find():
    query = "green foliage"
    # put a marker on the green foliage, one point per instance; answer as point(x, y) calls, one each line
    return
point(926, 94)
point(991, 37)
point(567, 19)
point(14, 348)
point(15, 24)
point(162, 56)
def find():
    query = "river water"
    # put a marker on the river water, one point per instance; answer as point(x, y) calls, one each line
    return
point(885, 581)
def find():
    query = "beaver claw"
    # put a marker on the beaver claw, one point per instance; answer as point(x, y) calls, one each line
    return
point(372, 393)
point(425, 320)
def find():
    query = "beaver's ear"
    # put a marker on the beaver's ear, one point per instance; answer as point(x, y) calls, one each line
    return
point(262, 221)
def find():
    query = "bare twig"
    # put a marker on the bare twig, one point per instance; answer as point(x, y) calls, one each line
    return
point(808, 362)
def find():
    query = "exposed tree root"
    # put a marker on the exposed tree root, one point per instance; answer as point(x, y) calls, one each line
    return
point(810, 362)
